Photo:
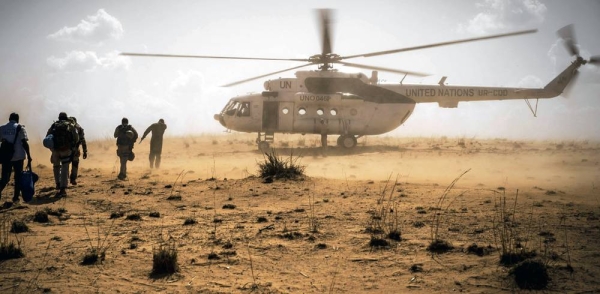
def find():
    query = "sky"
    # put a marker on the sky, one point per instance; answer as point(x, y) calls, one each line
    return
point(63, 55)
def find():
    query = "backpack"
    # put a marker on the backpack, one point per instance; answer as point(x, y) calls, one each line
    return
point(123, 139)
point(65, 135)
point(7, 149)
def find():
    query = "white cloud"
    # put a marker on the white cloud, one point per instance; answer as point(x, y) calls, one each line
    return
point(188, 83)
point(113, 61)
point(530, 82)
point(499, 15)
point(78, 61)
point(95, 29)
point(75, 61)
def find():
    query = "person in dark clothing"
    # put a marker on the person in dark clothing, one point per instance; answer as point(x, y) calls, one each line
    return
point(126, 136)
point(65, 139)
point(83, 144)
point(158, 130)
point(14, 133)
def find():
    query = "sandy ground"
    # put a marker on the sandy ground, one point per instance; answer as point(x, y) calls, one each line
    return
point(312, 235)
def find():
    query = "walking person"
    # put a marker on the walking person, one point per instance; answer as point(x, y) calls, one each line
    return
point(65, 139)
point(12, 133)
point(75, 166)
point(156, 142)
point(126, 136)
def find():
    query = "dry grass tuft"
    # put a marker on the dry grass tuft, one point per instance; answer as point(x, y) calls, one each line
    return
point(164, 259)
point(9, 249)
point(280, 168)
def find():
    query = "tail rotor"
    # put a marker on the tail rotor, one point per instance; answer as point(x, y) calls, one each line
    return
point(567, 34)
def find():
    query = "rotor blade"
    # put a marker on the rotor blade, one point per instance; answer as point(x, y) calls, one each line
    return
point(204, 56)
point(265, 75)
point(441, 44)
point(568, 35)
point(595, 59)
point(325, 18)
point(414, 73)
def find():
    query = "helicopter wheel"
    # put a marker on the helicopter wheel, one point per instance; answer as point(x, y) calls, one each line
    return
point(346, 141)
point(263, 146)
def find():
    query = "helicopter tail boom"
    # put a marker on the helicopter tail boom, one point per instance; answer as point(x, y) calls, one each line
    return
point(558, 84)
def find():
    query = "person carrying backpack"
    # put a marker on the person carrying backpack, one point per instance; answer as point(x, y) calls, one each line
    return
point(126, 136)
point(83, 144)
point(65, 139)
point(14, 141)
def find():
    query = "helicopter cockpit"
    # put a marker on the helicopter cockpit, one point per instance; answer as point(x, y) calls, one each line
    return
point(237, 108)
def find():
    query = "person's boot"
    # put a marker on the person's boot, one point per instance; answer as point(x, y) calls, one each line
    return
point(61, 193)
point(73, 181)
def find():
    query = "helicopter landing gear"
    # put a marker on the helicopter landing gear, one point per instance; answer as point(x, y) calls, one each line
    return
point(263, 146)
point(346, 141)
point(264, 140)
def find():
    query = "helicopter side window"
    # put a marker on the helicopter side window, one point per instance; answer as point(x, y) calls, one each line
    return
point(333, 111)
point(285, 110)
point(244, 109)
point(320, 111)
point(302, 111)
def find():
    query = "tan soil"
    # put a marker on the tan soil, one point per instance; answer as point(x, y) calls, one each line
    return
point(556, 215)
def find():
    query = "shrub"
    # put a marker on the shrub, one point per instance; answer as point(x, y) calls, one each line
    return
point(440, 246)
point(93, 256)
point(189, 221)
point(134, 217)
point(19, 227)
point(531, 275)
point(280, 168)
point(41, 216)
point(164, 259)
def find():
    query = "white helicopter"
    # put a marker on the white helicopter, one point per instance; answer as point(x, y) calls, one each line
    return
point(352, 105)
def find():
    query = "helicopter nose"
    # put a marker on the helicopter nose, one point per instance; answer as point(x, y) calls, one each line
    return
point(219, 117)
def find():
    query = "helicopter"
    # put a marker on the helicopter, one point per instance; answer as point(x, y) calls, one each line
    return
point(352, 105)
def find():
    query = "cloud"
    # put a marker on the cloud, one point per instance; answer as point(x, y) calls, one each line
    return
point(86, 61)
point(496, 15)
point(190, 83)
point(530, 82)
point(95, 30)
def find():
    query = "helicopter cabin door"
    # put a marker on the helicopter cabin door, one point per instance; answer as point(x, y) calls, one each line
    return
point(286, 117)
point(270, 119)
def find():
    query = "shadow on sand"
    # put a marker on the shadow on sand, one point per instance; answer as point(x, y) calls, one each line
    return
point(333, 150)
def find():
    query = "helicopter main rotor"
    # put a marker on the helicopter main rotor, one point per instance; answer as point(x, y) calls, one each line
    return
point(326, 59)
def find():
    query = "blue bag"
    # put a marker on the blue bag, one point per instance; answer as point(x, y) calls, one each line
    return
point(28, 179)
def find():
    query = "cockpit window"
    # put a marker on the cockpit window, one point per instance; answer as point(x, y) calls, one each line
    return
point(237, 108)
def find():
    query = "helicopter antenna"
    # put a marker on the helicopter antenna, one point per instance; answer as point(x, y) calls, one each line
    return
point(402, 80)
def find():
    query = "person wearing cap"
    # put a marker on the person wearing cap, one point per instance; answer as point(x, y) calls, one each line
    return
point(156, 142)
point(83, 144)
point(126, 136)
point(15, 133)
point(65, 139)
